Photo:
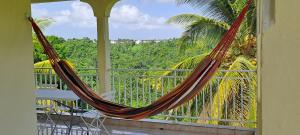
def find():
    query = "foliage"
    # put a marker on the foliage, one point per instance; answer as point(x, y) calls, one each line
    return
point(216, 17)
point(83, 53)
point(38, 53)
point(232, 98)
point(236, 93)
point(45, 66)
point(145, 55)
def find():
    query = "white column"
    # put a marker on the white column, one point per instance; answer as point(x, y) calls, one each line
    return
point(104, 63)
point(17, 100)
point(102, 9)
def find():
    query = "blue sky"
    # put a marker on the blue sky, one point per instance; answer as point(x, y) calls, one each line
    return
point(133, 19)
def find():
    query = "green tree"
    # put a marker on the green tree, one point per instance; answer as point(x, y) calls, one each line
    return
point(145, 55)
point(81, 52)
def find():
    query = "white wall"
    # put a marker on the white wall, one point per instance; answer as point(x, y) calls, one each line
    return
point(280, 70)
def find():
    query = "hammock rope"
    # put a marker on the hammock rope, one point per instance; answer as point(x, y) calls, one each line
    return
point(184, 92)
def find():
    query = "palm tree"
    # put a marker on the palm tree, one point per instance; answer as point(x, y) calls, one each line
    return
point(206, 30)
point(43, 23)
point(217, 17)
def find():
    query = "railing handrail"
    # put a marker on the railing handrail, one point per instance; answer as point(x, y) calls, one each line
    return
point(130, 69)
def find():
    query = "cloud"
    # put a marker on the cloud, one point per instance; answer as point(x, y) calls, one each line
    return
point(78, 15)
point(132, 18)
point(81, 15)
point(126, 21)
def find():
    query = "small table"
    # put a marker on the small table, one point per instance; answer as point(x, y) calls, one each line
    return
point(70, 96)
point(46, 94)
point(56, 96)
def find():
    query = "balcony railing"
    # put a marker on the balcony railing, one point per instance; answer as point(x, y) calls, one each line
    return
point(138, 87)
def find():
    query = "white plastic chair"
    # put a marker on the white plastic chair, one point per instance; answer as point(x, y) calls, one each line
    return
point(97, 118)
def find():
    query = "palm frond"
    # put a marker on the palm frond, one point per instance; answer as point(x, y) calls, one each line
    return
point(235, 96)
point(194, 3)
point(44, 22)
point(191, 22)
point(180, 71)
point(45, 67)
point(201, 28)
point(221, 9)
point(184, 19)
point(218, 9)
point(204, 27)
point(189, 63)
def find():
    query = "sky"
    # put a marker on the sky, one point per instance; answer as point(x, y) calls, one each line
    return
point(129, 19)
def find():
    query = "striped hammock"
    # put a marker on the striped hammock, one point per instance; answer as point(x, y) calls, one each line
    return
point(184, 92)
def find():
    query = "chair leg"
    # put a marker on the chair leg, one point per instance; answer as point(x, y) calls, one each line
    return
point(103, 126)
point(96, 123)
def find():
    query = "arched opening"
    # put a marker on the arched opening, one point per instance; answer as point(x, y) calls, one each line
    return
point(71, 27)
point(160, 59)
point(146, 61)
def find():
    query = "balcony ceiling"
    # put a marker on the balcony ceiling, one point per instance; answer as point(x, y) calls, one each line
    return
point(44, 1)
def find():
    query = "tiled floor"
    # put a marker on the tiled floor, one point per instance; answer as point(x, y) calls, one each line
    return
point(141, 131)
point(113, 130)
point(129, 127)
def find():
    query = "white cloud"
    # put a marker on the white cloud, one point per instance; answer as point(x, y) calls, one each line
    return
point(79, 15)
point(132, 18)
point(126, 20)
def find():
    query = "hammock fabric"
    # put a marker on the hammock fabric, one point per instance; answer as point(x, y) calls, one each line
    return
point(184, 92)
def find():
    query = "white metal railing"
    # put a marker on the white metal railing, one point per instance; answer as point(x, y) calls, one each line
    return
point(140, 87)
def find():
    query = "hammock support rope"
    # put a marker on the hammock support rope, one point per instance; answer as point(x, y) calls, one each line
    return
point(184, 92)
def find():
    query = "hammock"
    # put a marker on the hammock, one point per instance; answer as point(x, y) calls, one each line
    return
point(184, 92)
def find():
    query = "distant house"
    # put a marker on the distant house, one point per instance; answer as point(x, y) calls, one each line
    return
point(113, 42)
point(138, 42)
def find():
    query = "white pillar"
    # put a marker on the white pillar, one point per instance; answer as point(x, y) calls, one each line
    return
point(104, 63)
point(17, 100)
point(102, 9)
